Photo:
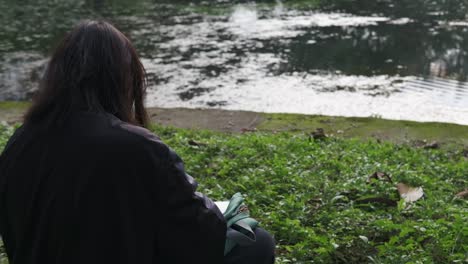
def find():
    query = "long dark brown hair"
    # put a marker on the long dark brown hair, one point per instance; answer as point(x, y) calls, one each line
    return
point(94, 68)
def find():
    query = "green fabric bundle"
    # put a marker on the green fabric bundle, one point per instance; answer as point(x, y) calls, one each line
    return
point(239, 224)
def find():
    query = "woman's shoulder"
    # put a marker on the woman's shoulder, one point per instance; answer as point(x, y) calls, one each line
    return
point(137, 132)
point(106, 127)
point(138, 136)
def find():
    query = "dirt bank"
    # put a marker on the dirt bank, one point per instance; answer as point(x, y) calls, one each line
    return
point(212, 119)
point(396, 131)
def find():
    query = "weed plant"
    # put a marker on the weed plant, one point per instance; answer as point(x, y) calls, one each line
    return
point(315, 197)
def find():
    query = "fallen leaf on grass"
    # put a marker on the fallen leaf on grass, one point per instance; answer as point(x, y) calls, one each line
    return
point(315, 203)
point(245, 130)
point(465, 153)
point(192, 142)
point(426, 145)
point(382, 176)
point(364, 238)
point(432, 145)
point(319, 133)
point(410, 194)
point(339, 198)
point(462, 194)
point(377, 199)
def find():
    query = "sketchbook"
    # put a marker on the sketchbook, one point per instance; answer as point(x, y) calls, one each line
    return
point(222, 205)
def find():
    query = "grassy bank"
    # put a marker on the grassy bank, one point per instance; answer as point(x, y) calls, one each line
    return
point(448, 136)
point(314, 195)
point(451, 136)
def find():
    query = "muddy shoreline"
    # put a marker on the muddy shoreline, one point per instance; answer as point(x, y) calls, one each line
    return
point(210, 119)
point(396, 131)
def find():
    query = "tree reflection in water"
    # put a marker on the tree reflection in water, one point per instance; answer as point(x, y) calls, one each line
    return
point(421, 38)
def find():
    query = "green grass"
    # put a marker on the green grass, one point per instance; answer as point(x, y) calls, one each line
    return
point(314, 198)
point(13, 105)
point(450, 136)
point(396, 131)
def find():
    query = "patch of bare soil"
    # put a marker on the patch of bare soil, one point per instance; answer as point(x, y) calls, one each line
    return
point(211, 119)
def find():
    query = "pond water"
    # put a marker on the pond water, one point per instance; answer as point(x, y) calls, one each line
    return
point(398, 60)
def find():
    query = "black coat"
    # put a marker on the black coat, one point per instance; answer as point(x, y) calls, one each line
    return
point(99, 190)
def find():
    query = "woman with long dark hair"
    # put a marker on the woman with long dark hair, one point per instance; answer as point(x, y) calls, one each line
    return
point(83, 181)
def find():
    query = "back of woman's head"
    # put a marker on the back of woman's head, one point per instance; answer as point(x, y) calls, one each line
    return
point(94, 68)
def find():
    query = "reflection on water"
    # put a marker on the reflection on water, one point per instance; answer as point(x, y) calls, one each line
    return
point(354, 58)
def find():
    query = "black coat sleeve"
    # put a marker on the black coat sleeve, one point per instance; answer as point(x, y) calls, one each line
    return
point(191, 229)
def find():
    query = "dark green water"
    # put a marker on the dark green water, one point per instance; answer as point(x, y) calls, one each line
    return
point(395, 59)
